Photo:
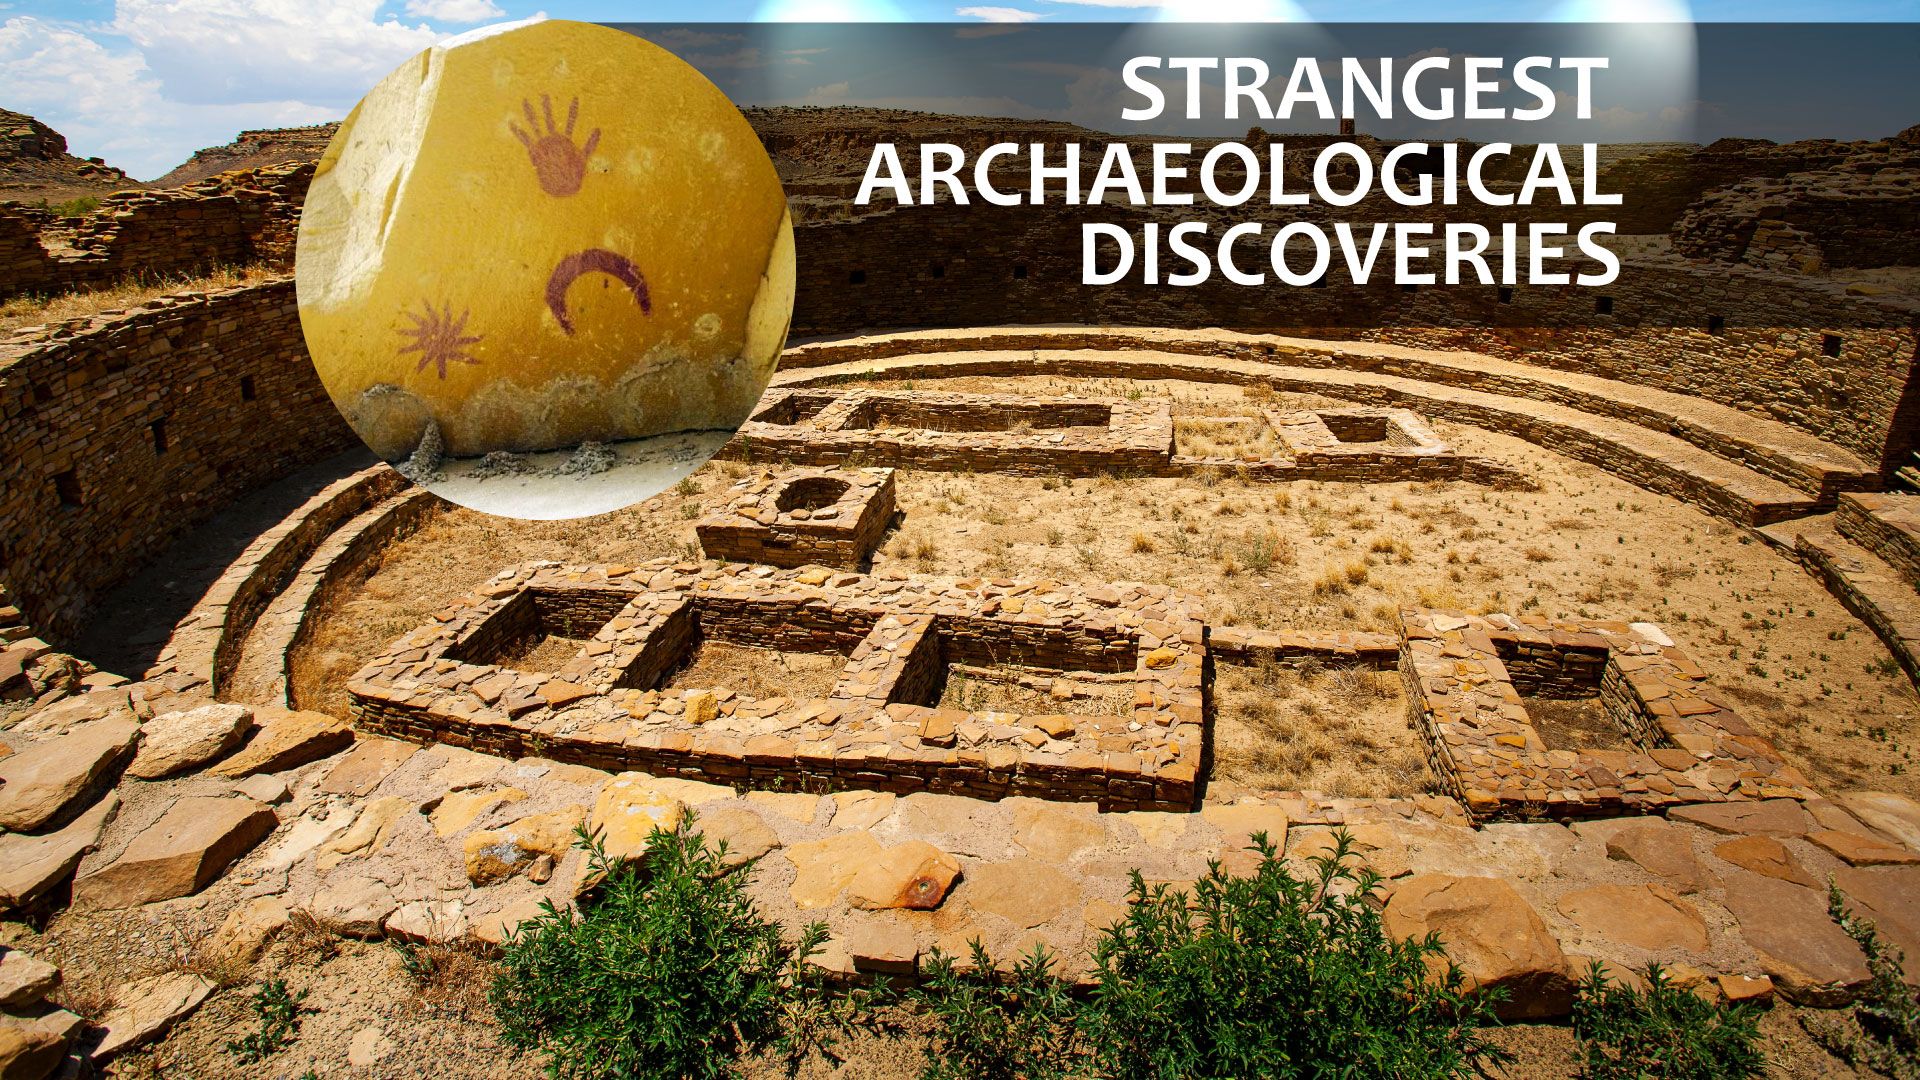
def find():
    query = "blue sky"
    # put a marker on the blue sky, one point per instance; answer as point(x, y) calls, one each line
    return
point(144, 83)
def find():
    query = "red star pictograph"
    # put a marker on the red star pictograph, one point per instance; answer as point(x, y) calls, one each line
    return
point(439, 338)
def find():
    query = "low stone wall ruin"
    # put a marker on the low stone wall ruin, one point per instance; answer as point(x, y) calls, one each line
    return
point(120, 432)
point(235, 218)
point(1464, 676)
point(879, 729)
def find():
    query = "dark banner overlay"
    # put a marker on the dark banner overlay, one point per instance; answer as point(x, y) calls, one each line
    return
point(1708, 176)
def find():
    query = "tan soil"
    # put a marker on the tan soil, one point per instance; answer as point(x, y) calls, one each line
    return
point(1575, 724)
point(549, 653)
point(1343, 732)
point(1304, 555)
point(760, 673)
point(1003, 690)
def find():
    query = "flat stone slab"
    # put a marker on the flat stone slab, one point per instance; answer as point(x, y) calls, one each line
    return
point(1658, 847)
point(146, 1008)
point(1650, 917)
point(1895, 815)
point(366, 765)
point(30, 865)
point(179, 741)
point(1772, 817)
point(24, 981)
point(1811, 960)
point(46, 780)
point(283, 739)
point(182, 853)
point(1493, 934)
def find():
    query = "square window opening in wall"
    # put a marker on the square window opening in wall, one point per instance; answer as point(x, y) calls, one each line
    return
point(539, 631)
point(1603, 305)
point(1019, 271)
point(42, 394)
point(1408, 286)
point(66, 488)
point(158, 429)
point(248, 391)
point(1716, 325)
point(856, 277)
point(1506, 294)
point(938, 270)
point(1830, 344)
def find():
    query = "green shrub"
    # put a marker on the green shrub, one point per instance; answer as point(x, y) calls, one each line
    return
point(279, 1015)
point(1666, 1032)
point(1887, 1009)
point(993, 1025)
point(1276, 976)
point(667, 970)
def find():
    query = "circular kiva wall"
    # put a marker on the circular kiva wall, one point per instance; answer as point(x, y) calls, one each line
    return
point(122, 431)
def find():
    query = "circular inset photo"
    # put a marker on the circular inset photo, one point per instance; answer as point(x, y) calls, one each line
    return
point(545, 270)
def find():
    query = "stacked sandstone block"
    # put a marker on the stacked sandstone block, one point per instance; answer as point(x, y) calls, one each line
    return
point(1001, 433)
point(244, 216)
point(796, 517)
point(875, 730)
point(1464, 676)
point(1886, 524)
point(121, 430)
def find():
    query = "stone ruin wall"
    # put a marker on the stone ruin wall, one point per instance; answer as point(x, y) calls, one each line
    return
point(939, 266)
point(1806, 222)
point(121, 432)
point(228, 220)
point(947, 266)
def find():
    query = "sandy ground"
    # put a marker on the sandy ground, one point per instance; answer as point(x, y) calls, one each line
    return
point(1303, 555)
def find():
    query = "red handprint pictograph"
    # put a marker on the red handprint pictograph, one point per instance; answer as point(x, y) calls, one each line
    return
point(559, 164)
point(439, 338)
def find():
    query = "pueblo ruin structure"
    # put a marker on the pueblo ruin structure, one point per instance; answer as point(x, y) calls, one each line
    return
point(1038, 574)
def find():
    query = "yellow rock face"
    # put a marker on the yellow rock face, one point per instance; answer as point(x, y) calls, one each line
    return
point(542, 236)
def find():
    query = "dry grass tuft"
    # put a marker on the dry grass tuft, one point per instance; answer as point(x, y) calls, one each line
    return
point(38, 310)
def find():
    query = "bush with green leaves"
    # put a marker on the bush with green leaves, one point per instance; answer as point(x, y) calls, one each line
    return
point(1886, 1009)
point(279, 1014)
point(1274, 975)
point(666, 970)
point(1665, 1032)
point(995, 1025)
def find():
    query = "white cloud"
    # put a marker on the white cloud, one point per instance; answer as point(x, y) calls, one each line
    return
point(455, 11)
point(998, 14)
point(108, 104)
point(167, 77)
point(227, 51)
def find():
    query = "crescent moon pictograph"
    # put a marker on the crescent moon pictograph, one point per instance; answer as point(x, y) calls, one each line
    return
point(593, 261)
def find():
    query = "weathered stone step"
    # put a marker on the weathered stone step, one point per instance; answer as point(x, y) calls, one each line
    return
point(1771, 447)
point(1879, 594)
point(261, 670)
point(1650, 459)
point(206, 642)
point(1886, 524)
